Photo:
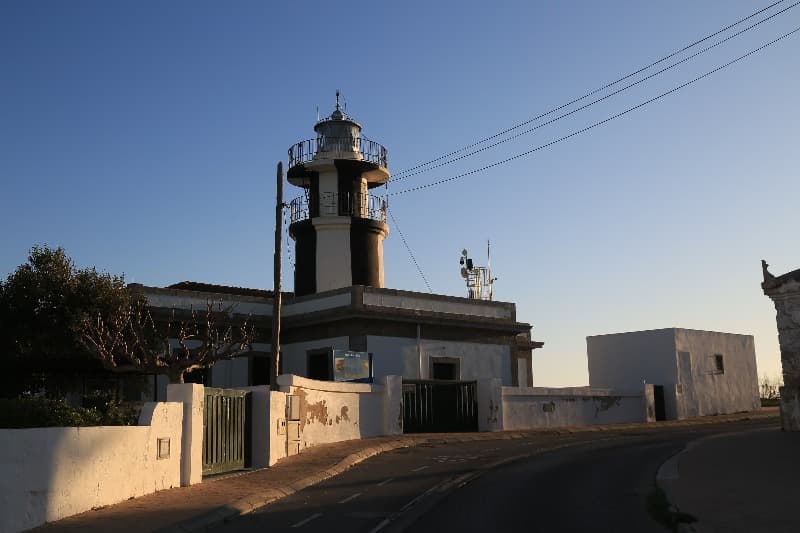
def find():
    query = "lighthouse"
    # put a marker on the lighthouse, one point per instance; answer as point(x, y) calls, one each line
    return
point(338, 226)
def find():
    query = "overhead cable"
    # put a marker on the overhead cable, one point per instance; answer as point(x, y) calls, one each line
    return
point(403, 173)
point(592, 126)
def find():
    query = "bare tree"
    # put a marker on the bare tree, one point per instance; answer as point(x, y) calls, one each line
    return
point(133, 341)
point(769, 388)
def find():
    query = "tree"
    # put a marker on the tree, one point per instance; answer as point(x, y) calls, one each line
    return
point(132, 340)
point(43, 304)
point(769, 388)
point(56, 318)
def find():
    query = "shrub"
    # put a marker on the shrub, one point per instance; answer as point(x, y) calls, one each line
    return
point(30, 412)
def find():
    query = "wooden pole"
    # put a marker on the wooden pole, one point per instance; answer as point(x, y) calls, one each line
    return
point(276, 307)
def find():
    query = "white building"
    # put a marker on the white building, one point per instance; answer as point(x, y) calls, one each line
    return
point(695, 373)
point(340, 302)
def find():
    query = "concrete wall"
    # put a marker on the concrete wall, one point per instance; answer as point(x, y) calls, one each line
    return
point(437, 304)
point(197, 301)
point(333, 412)
point(312, 303)
point(625, 360)
point(704, 390)
point(51, 473)
point(399, 356)
point(534, 407)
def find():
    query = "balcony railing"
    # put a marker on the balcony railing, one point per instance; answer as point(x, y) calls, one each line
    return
point(327, 147)
point(339, 204)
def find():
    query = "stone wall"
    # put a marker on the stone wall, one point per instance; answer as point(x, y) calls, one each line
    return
point(785, 293)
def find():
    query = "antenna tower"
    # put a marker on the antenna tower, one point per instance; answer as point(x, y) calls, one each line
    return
point(479, 279)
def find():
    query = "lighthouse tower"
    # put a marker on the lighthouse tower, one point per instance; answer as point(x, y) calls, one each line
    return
point(337, 225)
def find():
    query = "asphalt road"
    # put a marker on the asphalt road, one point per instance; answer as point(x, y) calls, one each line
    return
point(548, 482)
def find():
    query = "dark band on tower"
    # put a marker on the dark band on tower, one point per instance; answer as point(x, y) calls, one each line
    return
point(337, 225)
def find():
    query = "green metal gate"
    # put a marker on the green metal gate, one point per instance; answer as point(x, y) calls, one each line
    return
point(439, 406)
point(224, 430)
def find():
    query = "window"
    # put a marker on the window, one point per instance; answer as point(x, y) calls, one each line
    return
point(719, 365)
point(319, 364)
point(260, 368)
point(445, 368)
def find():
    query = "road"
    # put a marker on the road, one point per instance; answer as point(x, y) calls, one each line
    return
point(546, 482)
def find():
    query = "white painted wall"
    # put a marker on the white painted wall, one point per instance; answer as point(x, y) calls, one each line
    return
point(333, 412)
point(231, 373)
point(625, 360)
point(315, 303)
point(190, 300)
point(528, 408)
point(192, 398)
point(421, 302)
point(682, 361)
point(704, 390)
point(51, 473)
point(398, 355)
point(334, 268)
point(295, 356)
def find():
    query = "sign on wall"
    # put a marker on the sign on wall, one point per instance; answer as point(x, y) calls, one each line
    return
point(352, 366)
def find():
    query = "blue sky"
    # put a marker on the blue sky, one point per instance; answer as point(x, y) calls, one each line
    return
point(143, 137)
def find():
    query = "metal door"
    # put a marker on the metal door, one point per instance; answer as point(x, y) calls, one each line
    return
point(439, 406)
point(224, 430)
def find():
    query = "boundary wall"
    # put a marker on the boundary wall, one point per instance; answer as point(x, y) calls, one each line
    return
point(519, 408)
point(54, 472)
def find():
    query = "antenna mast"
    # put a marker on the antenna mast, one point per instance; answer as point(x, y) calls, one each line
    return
point(479, 279)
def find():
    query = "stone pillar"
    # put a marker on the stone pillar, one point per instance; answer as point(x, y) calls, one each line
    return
point(785, 293)
point(192, 396)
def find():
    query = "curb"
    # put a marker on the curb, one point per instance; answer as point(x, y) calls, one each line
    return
point(256, 501)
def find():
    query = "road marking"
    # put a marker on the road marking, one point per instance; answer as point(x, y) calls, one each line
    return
point(301, 523)
point(385, 481)
point(351, 497)
point(380, 526)
point(420, 468)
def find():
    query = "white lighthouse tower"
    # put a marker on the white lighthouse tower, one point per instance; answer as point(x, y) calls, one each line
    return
point(337, 226)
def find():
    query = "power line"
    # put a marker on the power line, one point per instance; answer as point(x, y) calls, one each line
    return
point(614, 93)
point(410, 253)
point(587, 95)
point(609, 119)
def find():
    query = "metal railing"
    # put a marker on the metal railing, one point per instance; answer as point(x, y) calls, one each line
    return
point(339, 204)
point(324, 146)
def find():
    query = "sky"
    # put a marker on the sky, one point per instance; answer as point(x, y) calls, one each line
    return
point(143, 137)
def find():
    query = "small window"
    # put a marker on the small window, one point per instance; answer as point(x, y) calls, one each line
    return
point(319, 365)
point(445, 368)
point(719, 365)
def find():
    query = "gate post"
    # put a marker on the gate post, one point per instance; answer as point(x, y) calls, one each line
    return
point(192, 397)
point(393, 405)
point(490, 405)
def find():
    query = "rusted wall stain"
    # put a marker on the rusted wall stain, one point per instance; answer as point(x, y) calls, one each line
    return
point(309, 412)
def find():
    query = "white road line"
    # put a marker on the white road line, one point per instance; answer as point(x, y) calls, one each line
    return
point(420, 468)
point(385, 481)
point(301, 523)
point(351, 497)
point(380, 526)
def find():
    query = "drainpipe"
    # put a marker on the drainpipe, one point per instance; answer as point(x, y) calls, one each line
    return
point(419, 351)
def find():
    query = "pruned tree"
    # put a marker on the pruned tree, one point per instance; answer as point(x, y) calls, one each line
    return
point(132, 340)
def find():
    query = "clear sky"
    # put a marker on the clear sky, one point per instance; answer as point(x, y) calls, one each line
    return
point(143, 137)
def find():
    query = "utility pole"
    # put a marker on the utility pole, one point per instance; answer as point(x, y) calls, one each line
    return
point(276, 307)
